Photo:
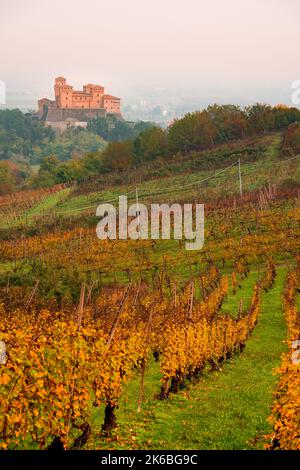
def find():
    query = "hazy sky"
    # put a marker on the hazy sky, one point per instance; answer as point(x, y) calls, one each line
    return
point(235, 48)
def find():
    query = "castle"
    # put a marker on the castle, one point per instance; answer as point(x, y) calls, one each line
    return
point(76, 108)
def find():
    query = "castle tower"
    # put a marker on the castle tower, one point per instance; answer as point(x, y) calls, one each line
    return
point(63, 93)
point(96, 93)
point(59, 82)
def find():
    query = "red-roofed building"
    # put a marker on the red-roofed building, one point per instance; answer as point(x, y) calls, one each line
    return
point(90, 98)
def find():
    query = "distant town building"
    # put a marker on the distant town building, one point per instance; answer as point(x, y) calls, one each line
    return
point(76, 108)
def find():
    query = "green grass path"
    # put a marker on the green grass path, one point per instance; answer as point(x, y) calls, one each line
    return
point(51, 202)
point(224, 410)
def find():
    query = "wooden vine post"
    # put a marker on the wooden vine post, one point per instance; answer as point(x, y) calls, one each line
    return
point(240, 309)
point(117, 318)
point(175, 294)
point(81, 305)
point(225, 339)
point(202, 288)
point(191, 302)
point(144, 361)
point(109, 412)
point(89, 294)
point(137, 293)
point(32, 294)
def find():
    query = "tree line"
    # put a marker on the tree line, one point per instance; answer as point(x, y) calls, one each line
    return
point(194, 132)
point(133, 144)
point(199, 131)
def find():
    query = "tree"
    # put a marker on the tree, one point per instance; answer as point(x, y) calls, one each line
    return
point(150, 144)
point(74, 142)
point(230, 121)
point(195, 131)
point(117, 155)
point(142, 126)
point(113, 129)
point(121, 131)
point(291, 140)
point(64, 174)
point(49, 164)
point(7, 181)
point(47, 174)
point(260, 118)
point(20, 135)
point(284, 116)
point(100, 127)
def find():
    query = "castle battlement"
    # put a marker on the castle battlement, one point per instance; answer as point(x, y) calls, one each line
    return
point(78, 105)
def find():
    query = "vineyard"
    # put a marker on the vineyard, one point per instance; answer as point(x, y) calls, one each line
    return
point(121, 344)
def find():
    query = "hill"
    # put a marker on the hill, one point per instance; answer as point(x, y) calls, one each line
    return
point(206, 175)
point(140, 343)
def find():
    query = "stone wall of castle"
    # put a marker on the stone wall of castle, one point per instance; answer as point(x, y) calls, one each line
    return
point(58, 114)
